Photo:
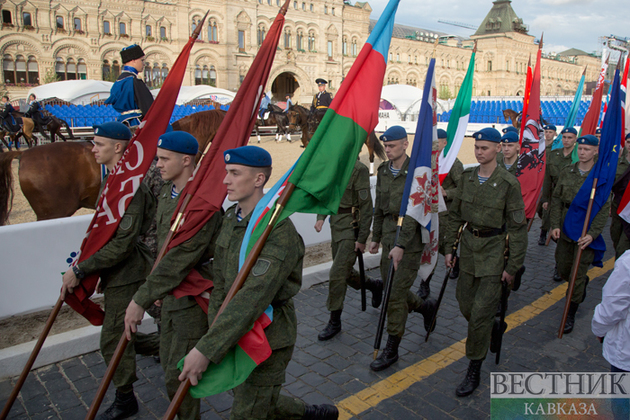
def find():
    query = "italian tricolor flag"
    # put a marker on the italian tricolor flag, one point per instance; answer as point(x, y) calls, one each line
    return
point(457, 123)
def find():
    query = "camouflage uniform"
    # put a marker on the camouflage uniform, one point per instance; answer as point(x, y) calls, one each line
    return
point(567, 187)
point(389, 192)
point(183, 320)
point(494, 207)
point(275, 279)
point(620, 240)
point(123, 264)
point(357, 195)
point(452, 180)
point(501, 163)
point(556, 161)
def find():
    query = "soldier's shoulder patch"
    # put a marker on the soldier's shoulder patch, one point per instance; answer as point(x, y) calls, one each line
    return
point(363, 194)
point(261, 267)
point(518, 216)
point(126, 222)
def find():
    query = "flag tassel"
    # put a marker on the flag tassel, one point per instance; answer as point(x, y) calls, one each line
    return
point(576, 262)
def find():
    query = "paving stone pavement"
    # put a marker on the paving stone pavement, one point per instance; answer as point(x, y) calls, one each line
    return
point(329, 372)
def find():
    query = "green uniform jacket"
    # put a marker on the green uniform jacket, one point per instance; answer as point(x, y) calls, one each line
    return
point(389, 192)
point(124, 259)
point(451, 182)
point(622, 166)
point(495, 203)
point(569, 183)
point(357, 195)
point(177, 263)
point(275, 279)
point(501, 163)
point(556, 162)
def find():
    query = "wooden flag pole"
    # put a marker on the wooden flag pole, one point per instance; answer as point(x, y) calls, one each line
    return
point(31, 359)
point(576, 262)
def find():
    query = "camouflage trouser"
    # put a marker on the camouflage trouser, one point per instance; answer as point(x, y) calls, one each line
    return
point(401, 300)
point(546, 220)
point(259, 396)
point(618, 236)
point(116, 301)
point(478, 299)
point(566, 251)
point(181, 329)
point(342, 273)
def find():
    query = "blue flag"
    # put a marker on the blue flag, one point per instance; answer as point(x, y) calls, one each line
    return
point(417, 196)
point(570, 121)
point(604, 170)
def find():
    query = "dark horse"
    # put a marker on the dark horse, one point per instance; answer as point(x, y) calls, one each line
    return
point(26, 131)
point(515, 118)
point(57, 179)
point(277, 117)
point(308, 123)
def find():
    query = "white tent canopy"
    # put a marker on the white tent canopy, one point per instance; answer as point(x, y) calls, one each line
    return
point(189, 93)
point(407, 100)
point(78, 92)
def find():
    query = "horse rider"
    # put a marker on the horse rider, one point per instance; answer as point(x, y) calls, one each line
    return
point(264, 104)
point(35, 112)
point(8, 121)
point(321, 100)
point(129, 95)
point(289, 103)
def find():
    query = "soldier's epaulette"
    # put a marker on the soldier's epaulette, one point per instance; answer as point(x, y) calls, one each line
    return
point(383, 164)
point(230, 209)
point(469, 169)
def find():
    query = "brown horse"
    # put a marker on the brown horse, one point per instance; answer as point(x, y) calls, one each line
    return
point(308, 123)
point(512, 116)
point(54, 127)
point(57, 179)
point(26, 132)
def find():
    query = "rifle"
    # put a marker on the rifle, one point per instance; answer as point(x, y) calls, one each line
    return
point(446, 277)
point(355, 225)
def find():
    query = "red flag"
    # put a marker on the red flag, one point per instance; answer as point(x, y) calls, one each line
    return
point(206, 190)
point(589, 124)
point(528, 87)
point(530, 168)
point(124, 181)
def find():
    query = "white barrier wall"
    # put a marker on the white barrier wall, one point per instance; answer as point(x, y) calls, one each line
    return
point(33, 256)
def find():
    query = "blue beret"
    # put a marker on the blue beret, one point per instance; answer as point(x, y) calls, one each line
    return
point(441, 133)
point(510, 128)
point(113, 130)
point(395, 132)
point(488, 134)
point(627, 136)
point(588, 139)
point(550, 127)
point(569, 130)
point(180, 142)
point(598, 131)
point(509, 137)
point(249, 156)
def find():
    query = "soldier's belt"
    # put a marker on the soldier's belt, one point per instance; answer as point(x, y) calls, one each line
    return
point(344, 210)
point(393, 216)
point(485, 233)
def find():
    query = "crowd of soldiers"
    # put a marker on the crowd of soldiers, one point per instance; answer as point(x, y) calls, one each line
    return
point(484, 209)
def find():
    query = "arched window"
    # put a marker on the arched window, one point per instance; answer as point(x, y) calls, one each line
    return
point(77, 24)
point(107, 28)
point(147, 31)
point(164, 71)
point(311, 41)
point(287, 39)
point(60, 69)
point(212, 32)
point(204, 75)
point(295, 5)
point(60, 22)
point(299, 40)
point(354, 47)
point(26, 17)
point(122, 28)
point(304, 6)
point(213, 76)
point(82, 69)
point(8, 67)
point(20, 69)
point(261, 34)
point(148, 75)
point(344, 46)
point(156, 75)
point(33, 71)
point(163, 33)
point(193, 26)
point(71, 70)
point(107, 69)
point(116, 69)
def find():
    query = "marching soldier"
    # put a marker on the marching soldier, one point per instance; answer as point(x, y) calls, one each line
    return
point(550, 131)
point(355, 207)
point(35, 112)
point(489, 202)
point(123, 263)
point(322, 99)
point(621, 242)
point(448, 189)
point(510, 150)
point(569, 182)
point(405, 253)
point(550, 135)
point(183, 321)
point(275, 279)
point(598, 133)
point(556, 161)
point(129, 95)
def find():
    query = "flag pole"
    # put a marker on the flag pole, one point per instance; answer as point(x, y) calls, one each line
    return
point(576, 262)
point(31, 359)
point(122, 343)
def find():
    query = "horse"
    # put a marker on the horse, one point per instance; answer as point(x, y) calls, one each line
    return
point(26, 131)
point(308, 122)
point(514, 117)
point(57, 179)
point(54, 127)
point(275, 117)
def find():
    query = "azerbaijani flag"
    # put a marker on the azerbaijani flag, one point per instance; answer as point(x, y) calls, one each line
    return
point(575, 106)
point(457, 122)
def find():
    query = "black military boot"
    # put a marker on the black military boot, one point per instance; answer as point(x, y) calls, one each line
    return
point(427, 309)
point(471, 381)
point(125, 405)
point(425, 288)
point(455, 270)
point(543, 237)
point(556, 275)
point(376, 287)
point(333, 327)
point(588, 279)
point(389, 355)
point(568, 326)
point(320, 412)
